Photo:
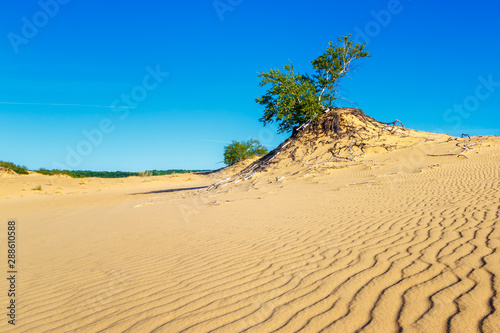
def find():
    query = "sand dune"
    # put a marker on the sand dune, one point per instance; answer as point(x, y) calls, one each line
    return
point(405, 238)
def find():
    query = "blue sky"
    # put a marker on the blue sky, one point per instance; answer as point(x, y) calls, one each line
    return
point(189, 69)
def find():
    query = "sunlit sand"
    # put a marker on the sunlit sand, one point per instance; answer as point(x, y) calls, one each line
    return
point(402, 234)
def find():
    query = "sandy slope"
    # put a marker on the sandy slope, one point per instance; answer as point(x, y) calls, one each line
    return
point(395, 240)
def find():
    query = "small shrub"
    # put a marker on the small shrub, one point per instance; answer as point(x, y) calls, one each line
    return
point(239, 151)
point(146, 173)
point(37, 188)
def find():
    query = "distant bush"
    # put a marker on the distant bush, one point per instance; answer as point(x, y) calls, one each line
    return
point(21, 170)
point(239, 151)
point(170, 172)
point(146, 173)
point(37, 188)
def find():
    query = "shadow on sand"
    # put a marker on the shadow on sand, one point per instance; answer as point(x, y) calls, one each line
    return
point(171, 190)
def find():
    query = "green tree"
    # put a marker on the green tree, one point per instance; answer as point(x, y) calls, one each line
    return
point(240, 150)
point(295, 99)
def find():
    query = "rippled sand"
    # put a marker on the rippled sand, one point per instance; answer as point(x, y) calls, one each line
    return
point(405, 239)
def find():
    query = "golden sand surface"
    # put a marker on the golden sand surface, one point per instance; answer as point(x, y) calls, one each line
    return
point(403, 238)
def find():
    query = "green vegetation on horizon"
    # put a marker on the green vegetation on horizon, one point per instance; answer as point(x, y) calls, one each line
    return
point(22, 170)
point(112, 174)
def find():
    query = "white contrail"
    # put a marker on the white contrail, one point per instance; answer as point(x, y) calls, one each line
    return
point(61, 104)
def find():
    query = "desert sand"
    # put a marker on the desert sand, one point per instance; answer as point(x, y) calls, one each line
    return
point(402, 234)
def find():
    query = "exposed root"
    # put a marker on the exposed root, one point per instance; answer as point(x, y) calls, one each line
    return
point(393, 128)
point(348, 130)
point(465, 148)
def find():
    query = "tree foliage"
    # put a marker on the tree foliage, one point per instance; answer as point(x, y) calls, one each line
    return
point(21, 170)
point(241, 150)
point(294, 99)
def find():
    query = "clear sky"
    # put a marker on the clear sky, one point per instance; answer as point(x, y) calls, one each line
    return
point(122, 85)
